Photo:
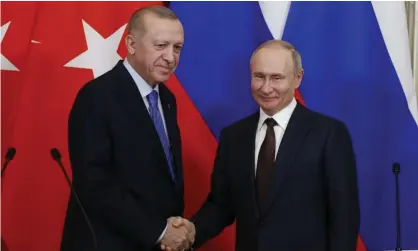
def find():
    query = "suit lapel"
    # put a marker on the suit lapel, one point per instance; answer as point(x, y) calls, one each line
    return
point(294, 136)
point(247, 157)
point(129, 96)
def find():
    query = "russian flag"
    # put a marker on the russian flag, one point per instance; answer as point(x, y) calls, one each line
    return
point(357, 69)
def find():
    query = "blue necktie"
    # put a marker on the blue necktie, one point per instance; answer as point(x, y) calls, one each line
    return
point(159, 126)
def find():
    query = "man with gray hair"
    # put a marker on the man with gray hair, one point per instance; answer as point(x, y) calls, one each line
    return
point(125, 147)
point(285, 174)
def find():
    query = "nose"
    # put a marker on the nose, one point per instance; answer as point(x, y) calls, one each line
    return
point(169, 55)
point(266, 87)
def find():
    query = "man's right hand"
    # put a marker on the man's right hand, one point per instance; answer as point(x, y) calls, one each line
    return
point(179, 236)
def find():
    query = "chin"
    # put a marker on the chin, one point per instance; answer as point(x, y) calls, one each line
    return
point(162, 77)
point(270, 108)
point(270, 105)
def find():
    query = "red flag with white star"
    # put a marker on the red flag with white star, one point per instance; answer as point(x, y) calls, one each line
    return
point(16, 27)
point(62, 46)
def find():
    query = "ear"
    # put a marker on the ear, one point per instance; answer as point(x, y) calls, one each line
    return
point(130, 43)
point(298, 78)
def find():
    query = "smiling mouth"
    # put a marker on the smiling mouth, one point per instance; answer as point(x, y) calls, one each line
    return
point(267, 99)
point(164, 68)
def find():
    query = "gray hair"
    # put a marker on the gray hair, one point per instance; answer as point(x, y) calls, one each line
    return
point(297, 59)
point(136, 22)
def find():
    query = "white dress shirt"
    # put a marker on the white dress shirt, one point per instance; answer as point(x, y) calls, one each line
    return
point(282, 119)
point(145, 89)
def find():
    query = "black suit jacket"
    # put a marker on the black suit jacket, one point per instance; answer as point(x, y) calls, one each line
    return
point(313, 198)
point(119, 168)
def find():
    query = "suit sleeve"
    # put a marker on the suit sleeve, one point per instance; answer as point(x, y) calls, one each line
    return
point(217, 212)
point(342, 191)
point(91, 153)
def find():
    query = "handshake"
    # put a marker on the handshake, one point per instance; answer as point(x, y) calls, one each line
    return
point(179, 236)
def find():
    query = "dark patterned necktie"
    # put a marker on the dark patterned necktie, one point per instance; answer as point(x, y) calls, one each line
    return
point(265, 163)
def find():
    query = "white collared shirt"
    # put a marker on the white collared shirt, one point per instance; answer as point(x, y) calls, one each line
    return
point(282, 119)
point(145, 89)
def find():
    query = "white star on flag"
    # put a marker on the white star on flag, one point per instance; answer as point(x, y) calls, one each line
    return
point(5, 63)
point(101, 54)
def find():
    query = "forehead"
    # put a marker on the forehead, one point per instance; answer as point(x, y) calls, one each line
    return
point(272, 60)
point(163, 29)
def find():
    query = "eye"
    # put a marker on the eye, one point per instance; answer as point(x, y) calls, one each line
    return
point(277, 77)
point(178, 48)
point(160, 46)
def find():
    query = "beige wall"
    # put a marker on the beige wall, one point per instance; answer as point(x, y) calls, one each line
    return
point(412, 16)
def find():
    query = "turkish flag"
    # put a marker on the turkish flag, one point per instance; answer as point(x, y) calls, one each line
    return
point(16, 27)
point(57, 47)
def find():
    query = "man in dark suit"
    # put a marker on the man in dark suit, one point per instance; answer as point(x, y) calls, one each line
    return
point(286, 174)
point(125, 146)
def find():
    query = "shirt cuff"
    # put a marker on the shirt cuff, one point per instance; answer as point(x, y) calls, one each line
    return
point(162, 235)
